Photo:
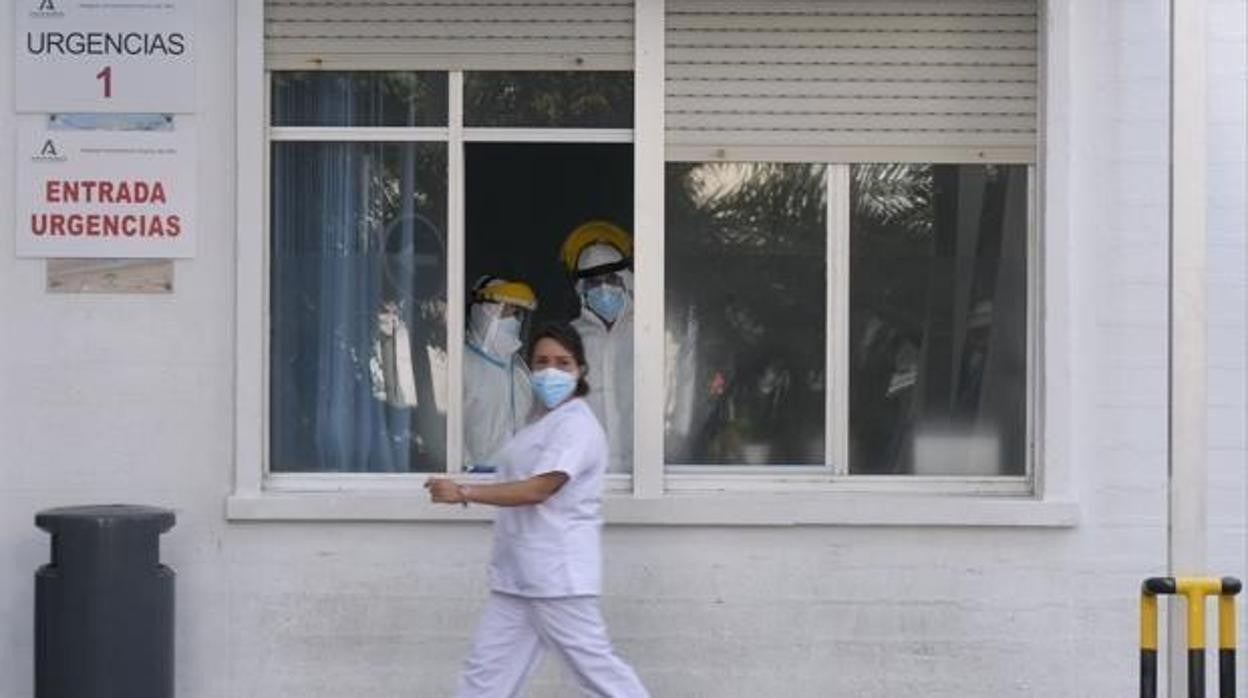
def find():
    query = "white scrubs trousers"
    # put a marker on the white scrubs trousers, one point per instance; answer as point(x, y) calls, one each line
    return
point(515, 630)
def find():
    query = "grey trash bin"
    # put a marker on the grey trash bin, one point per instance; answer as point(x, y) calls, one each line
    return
point(104, 605)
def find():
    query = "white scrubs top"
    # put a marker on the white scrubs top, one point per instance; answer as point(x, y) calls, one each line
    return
point(553, 549)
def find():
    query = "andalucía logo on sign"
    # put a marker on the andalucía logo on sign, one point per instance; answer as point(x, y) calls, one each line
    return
point(46, 8)
point(49, 152)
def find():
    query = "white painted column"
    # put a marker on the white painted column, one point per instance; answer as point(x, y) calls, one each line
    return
point(648, 254)
point(1187, 540)
point(251, 214)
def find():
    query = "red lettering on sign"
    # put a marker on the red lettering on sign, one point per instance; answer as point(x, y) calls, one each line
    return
point(107, 76)
point(89, 191)
point(107, 225)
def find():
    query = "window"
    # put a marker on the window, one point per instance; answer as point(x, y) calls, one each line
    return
point(359, 99)
point(569, 99)
point(848, 226)
point(933, 360)
point(358, 281)
point(746, 314)
point(938, 319)
point(848, 286)
point(364, 260)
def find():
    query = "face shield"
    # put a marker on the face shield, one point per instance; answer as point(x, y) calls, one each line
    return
point(498, 329)
point(498, 316)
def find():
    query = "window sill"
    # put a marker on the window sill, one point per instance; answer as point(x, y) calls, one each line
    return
point(712, 509)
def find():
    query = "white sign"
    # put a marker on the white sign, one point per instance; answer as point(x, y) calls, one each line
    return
point(105, 56)
point(105, 193)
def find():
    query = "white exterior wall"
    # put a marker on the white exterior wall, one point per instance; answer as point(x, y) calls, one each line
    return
point(110, 398)
point(1228, 296)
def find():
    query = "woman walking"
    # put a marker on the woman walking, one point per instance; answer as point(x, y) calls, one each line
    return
point(546, 565)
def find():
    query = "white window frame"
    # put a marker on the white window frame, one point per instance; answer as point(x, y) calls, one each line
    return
point(834, 475)
point(455, 135)
point(655, 494)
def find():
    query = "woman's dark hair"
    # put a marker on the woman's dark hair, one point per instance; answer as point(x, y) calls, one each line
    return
point(568, 338)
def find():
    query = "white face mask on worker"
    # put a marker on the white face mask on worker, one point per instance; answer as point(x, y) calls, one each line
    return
point(552, 386)
point(607, 301)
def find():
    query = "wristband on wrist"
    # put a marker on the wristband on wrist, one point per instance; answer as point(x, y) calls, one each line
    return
point(463, 495)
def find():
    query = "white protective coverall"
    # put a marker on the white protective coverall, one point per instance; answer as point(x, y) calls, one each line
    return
point(546, 567)
point(497, 400)
point(609, 353)
point(497, 394)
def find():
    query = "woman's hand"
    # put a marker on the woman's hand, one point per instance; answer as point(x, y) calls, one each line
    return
point(445, 491)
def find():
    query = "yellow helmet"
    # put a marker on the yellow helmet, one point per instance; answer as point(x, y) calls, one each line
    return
point(592, 233)
point(497, 290)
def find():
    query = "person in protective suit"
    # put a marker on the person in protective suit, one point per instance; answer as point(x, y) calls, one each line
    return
point(599, 257)
point(497, 396)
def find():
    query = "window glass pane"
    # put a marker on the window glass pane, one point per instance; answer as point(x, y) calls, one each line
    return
point(938, 319)
point(349, 98)
point(746, 313)
point(572, 99)
point(358, 285)
point(522, 202)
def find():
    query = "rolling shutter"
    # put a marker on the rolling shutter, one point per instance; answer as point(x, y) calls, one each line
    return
point(469, 35)
point(890, 80)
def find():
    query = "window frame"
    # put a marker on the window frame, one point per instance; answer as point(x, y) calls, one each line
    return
point(655, 493)
point(455, 136)
point(834, 474)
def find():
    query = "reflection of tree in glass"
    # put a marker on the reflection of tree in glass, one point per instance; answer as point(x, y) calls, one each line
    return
point(359, 305)
point(407, 201)
point(746, 246)
point(937, 308)
point(567, 99)
point(894, 196)
point(410, 199)
point(892, 218)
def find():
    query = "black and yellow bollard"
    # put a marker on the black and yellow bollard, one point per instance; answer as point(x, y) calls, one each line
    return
point(1195, 589)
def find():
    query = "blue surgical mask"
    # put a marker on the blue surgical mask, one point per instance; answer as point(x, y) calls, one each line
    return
point(552, 386)
point(607, 300)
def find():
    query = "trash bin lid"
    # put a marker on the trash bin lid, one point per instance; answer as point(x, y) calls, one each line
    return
point(105, 516)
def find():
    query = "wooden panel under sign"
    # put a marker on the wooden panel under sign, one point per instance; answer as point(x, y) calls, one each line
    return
point(110, 275)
